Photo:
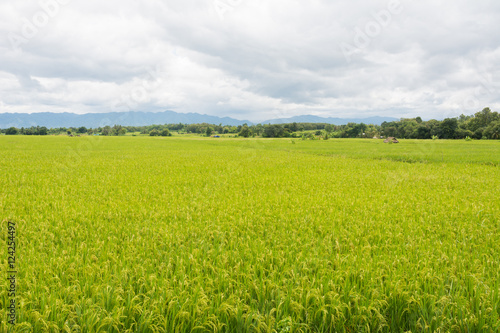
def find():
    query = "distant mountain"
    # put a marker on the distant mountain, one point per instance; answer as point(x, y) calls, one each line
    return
point(330, 120)
point(132, 118)
point(93, 120)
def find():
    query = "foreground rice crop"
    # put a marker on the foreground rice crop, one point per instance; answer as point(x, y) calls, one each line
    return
point(144, 234)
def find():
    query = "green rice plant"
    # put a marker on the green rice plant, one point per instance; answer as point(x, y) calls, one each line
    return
point(166, 234)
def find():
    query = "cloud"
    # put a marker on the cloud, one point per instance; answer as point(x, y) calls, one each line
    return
point(250, 59)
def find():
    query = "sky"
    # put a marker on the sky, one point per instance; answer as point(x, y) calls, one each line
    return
point(251, 59)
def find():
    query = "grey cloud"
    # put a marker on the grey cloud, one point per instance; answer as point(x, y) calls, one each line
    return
point(258, 56)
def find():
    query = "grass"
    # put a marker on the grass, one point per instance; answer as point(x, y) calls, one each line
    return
point(143, 234)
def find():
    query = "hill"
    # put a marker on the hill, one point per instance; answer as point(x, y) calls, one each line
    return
point(137, 118)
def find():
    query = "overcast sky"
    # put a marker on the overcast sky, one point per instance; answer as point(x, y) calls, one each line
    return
point(251, 59)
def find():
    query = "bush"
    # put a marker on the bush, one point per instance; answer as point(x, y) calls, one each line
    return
point(165, 132)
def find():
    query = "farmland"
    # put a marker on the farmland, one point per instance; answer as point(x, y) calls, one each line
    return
point(154, 234)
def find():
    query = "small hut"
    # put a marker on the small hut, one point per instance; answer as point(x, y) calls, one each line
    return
point(391, 139)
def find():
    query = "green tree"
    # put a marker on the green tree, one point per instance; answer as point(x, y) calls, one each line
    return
point(42, 130)
point(11, 131)
point(423, 132)
point(165, 132)
point(245, 132)
point(154, 132)
point(209, 131)
point(106, 130)
point(355, 130)
point(118, 130)
point(493, 130)
point(448, 128)
point(478, 134)
point(482, 119)
point(461, 133)
point(273, 131)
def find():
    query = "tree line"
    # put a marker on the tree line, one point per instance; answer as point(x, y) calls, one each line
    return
point(484, 124)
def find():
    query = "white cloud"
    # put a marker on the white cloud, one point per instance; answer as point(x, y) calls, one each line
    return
point(250, 59)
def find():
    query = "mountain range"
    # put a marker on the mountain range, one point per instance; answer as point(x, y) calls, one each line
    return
point(135, 118)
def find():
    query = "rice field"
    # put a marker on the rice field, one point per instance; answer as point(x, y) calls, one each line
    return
point(152, 234)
